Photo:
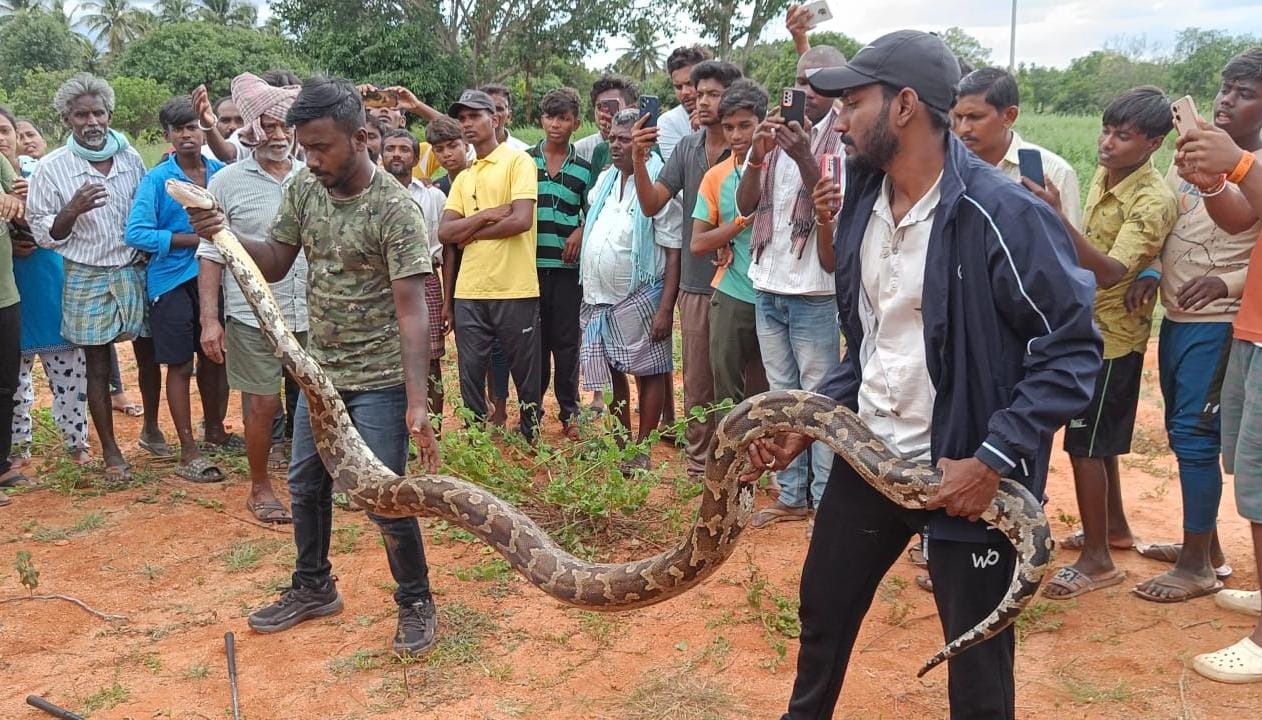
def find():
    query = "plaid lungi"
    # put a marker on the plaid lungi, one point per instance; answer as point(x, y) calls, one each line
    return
point(101, 305)
point(434, 303)
point(619, 336)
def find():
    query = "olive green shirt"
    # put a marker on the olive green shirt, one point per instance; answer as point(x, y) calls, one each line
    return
point(8, 287)
point(1129, 222)
point(355, 249)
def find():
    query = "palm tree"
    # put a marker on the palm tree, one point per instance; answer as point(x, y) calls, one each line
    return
point(644, 56)
point(174, 11)
point(116, 22)
point(14, 7)
point(236, 13)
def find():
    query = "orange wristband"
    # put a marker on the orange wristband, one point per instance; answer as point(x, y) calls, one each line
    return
point(1242, 168)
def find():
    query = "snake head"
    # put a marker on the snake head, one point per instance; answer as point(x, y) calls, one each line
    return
point(190, 195)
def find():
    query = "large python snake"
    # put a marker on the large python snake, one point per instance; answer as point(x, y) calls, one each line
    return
point(726, 502)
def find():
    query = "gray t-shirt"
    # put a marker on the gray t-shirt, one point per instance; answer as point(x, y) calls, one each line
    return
point(683, 172)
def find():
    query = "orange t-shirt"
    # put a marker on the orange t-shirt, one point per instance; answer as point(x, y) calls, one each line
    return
point(1249, 318)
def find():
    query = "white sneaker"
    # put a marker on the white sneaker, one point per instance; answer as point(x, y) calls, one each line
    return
point(1248, 602)
point(1238, 664)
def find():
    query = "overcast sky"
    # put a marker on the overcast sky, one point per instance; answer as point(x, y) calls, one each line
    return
point(1049, 32)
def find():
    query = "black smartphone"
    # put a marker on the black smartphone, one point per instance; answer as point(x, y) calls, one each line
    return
point(651, 106)
point(793, 106)
point(1031, 165)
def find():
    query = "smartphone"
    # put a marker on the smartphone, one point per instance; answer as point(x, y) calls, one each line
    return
point(793, 106)
point(610, 106)
point(834, 166)
point(819, 12)
point(1030, 161)
point(381, 99)
point(1184, 112)
point(651, 106)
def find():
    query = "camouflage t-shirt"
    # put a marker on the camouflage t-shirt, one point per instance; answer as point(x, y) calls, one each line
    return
point(355, 248)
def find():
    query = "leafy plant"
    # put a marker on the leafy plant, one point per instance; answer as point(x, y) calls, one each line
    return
point(28, 574)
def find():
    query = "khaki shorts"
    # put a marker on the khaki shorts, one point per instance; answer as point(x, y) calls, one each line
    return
point(251, 360)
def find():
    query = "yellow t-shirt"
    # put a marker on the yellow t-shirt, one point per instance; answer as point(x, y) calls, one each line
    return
point(1130, 223)
point(503, 268)
point(427, 164)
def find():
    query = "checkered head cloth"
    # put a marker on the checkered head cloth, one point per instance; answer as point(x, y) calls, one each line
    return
point(255, 98)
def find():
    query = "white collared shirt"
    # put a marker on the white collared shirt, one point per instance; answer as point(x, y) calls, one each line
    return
point(431, 201)
point(674, 125)
point(896, 394)
point(97, 237)
point(1055, 168)
point(779, 270)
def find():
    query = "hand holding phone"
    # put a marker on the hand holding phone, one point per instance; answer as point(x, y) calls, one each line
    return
point(819, 11)
point(381, 98)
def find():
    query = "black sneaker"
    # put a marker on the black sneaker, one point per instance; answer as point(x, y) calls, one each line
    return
point(418, 626)
point(295, 606)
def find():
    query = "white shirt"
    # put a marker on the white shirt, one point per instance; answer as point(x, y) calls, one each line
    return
point(896, 394)
point(672, 127)
point(514, 143)
point(243, 150)
point(779, 270)
point(586, 147)
point(605, 263)
point(1055, 168)
point(431, 201)
point(97, 236)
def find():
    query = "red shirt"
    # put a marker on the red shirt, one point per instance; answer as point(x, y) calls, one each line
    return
point(1249, 319)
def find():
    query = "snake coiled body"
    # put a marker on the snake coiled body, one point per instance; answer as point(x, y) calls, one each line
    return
point(726, 503)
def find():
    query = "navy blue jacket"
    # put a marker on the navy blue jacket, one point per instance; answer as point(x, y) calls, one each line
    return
point(1009, 339)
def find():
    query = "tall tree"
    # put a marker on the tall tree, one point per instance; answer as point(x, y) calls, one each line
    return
point(114, 22)
point(231, 13)
point(174, 11)
point(36, 41)
point(645, 55)
point(966, 47)
point(733, 27)
point(184, 55)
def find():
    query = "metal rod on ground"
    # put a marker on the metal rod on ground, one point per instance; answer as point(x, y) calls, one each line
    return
point(230, 644)
point(36, 701)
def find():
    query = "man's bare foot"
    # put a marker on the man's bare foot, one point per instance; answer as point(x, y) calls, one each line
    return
point(1178, 585)
point(80, 457)
point(1076, 540)
point(122, 403)
point(499, 416)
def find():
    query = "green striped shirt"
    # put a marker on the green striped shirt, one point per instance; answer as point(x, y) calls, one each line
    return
point(562, 200)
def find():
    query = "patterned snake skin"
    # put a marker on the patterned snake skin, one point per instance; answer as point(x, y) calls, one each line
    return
point(726, 503)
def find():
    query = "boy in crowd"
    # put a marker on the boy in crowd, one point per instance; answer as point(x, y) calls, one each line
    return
point(692, 159)
point(504, 114)
point(1129, 212)
point(983, 117)
point(1201, 273)
point(159, 225)
point(677, 122)
point(452, 154)
point(399, 154)
point(630, 270)
point(718, 227)
point(490, 216)
point(564, 181)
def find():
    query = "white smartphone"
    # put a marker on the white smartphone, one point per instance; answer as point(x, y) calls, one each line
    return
point(819, 12)
point(1184, 112)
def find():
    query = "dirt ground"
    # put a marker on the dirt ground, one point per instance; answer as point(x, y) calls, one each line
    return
point(185, 565)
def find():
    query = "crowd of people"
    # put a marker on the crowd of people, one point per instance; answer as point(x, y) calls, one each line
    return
point(966, 310)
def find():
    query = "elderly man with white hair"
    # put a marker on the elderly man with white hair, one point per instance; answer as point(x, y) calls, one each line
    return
point(250, 191)
point(79, 199)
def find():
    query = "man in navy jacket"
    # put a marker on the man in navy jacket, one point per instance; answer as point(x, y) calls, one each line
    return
point(969, 343)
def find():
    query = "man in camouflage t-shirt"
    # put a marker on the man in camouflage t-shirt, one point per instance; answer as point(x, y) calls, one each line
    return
point(367, 254)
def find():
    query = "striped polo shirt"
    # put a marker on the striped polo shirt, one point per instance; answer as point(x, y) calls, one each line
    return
point(562, 200)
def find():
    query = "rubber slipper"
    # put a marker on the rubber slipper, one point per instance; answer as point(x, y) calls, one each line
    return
point(5, 499)
point(773, 514)
point(1238, 664)
point(1246, 602)
point(269, 511)
point(924, 582)
point(15, 478)
point(1161, 552)
point(232, 443)
point(200, 470)
point(1080, 583)
point(159, 450)
point(1076, 540)
point(277, 458)
point(130, 410)
point(1188, 589)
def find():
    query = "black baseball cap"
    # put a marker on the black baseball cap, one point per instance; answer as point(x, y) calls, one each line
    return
point(903, 59)
point(473, 100)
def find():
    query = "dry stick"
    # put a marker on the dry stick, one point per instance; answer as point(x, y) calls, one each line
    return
point(1186, 713)
point(1192, 625)
point(104, 616)
point(902, 624)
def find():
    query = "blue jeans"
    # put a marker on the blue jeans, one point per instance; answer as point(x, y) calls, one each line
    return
point(380, 416)
point(801, 346)
point(1191, 359)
